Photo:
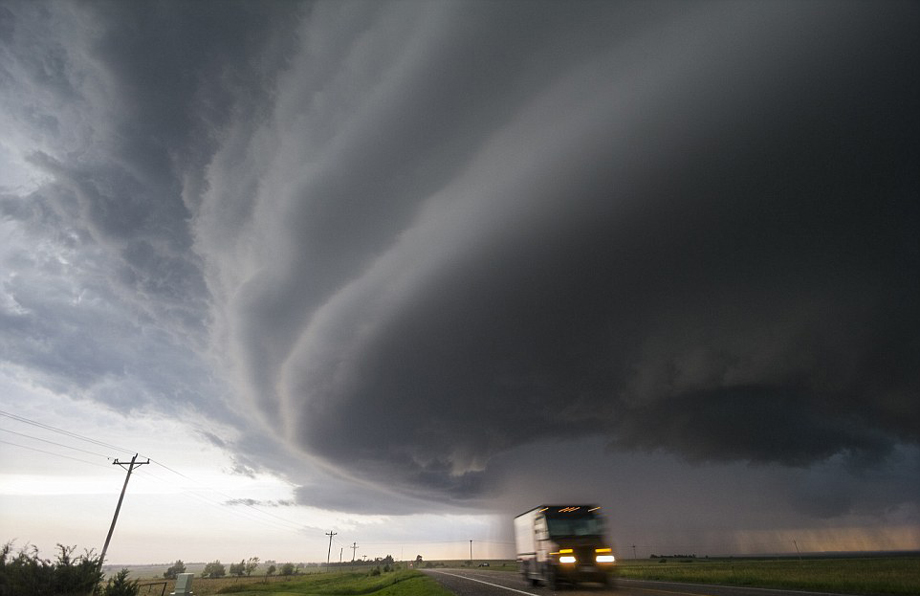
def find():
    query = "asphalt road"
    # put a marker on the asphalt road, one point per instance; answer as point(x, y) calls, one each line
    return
point(468, 582)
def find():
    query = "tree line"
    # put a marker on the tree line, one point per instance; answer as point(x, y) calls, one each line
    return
point(246, 567)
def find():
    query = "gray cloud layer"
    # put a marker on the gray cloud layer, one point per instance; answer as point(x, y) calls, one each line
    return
point(415, 236)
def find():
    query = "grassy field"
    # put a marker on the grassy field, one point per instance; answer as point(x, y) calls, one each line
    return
point(398, 583)
point(843, 575)
point(151, 576)
point(877, 575)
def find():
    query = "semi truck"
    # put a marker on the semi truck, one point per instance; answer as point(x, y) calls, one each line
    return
point(563, 543)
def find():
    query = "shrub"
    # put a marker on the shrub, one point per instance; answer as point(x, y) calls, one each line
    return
point(214, 569)
point(251, 565)
point(238, 569)
point(120, 585)
point(174, 570)
point(27, 574)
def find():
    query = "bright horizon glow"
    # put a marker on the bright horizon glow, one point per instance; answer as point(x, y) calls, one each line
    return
point(160, 503)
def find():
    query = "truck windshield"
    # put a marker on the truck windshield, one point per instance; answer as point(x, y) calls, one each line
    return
point(575, 526)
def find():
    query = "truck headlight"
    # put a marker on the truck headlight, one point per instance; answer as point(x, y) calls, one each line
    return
point(604, 555)
point(567, 559)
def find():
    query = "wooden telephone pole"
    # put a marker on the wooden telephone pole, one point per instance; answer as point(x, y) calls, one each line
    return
point(330, 534)
point(130, 468)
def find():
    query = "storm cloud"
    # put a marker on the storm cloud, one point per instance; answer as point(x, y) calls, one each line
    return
point(698, 235)
point(415, 237)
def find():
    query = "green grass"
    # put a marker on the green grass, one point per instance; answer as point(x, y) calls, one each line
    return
point(867, 575)
point(399, 583)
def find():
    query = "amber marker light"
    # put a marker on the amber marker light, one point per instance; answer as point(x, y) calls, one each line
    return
point(569, 509)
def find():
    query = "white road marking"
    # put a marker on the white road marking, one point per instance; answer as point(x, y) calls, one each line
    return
point(632, 584)
point(660, 591)
point(486, 583)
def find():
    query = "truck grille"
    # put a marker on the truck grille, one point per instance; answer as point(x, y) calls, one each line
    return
point(585, 555)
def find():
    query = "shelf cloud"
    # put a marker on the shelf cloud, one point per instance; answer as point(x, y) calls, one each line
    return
point(414, 238)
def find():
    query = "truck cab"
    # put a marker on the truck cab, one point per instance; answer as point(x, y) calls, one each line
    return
point(563, 543)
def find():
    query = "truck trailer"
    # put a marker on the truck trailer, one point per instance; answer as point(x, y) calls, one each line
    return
point(563, 543)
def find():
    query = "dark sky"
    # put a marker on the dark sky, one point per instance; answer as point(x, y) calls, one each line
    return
point(473, 254)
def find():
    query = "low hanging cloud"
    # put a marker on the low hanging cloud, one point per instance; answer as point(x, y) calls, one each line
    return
point(258, 503)
point(413, 237)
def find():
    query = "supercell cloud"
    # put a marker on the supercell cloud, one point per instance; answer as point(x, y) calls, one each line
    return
point(414, 236)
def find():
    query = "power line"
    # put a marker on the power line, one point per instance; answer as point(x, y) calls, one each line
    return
point(52, 453)
point(13, 432)
point(165, 467)
point(63, 432)
point(222, 506)
point(289, 525)
point(226, 496)
point(285, 525)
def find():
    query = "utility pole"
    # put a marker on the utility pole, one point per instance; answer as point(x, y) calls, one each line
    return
point(330, 534)
point(130, 468)
point(354, 548)
point(471, 553)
